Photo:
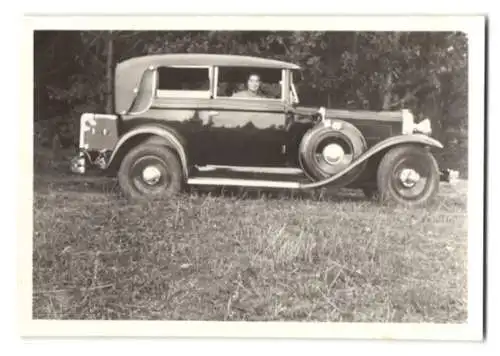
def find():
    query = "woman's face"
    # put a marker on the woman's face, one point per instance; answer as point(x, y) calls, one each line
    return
point(253, 83)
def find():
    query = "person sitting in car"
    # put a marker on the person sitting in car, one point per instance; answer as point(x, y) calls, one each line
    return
point(253, 88)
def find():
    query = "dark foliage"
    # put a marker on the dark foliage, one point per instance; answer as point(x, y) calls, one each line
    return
point(425, 72)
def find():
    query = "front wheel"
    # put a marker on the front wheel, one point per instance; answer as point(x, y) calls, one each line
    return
point(408, 175)
point(150, 171)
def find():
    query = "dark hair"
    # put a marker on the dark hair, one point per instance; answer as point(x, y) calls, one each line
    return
point(252, 74)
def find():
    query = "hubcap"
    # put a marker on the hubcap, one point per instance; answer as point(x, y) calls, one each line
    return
point(409, 177)
point(333, 153)
point(151, 175)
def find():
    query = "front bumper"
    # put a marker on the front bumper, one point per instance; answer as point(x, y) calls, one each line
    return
point(449, 176)
point(86, 160)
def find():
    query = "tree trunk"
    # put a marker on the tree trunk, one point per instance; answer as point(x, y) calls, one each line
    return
point(109, 73)
point(354, 48)
point(387, 99)
point(387, 90)
point(330, 69)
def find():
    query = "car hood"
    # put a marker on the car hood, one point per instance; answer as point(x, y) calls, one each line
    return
point(313, 110)
point(306, 110)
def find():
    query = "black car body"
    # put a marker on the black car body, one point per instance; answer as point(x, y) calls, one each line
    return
point(177, 122)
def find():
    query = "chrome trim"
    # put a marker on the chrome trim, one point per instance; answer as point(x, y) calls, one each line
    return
point(151, 175)
point(98, 116)
point(409, 177)
point(242, 182)
point(295, 95)
point(284, 82)
point(408, 122)
point(322, 113)
point(215, 81)
point(333, 153)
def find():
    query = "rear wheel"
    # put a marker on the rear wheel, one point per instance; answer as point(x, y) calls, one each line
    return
point(150, 171)
point(408, 175)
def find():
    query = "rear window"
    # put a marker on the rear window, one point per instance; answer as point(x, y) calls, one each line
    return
point(174, 79)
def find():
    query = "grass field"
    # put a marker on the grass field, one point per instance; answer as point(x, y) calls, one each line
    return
point(202, 256)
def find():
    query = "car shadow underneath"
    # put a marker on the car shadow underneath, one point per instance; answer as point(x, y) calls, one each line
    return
point(109, 186)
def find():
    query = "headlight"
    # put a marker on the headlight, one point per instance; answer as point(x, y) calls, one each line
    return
point(423, 127)
point(410, 127)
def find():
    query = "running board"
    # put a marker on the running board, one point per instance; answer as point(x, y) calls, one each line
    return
point(244, 169)
point(242, 183)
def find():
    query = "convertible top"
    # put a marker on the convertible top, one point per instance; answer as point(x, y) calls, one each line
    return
point(129, 72)
point(204, 59)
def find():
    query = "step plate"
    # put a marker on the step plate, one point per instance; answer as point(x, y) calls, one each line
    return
point(274, 174)
point(256, 170)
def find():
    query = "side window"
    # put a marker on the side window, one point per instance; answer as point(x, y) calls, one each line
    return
point(186, 82)
point(249, 83)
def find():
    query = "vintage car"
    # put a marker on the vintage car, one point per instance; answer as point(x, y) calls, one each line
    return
point(178, 123)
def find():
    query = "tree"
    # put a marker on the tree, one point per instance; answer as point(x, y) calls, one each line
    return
point(422, 71)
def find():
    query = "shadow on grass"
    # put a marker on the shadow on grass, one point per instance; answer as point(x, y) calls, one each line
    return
point(336, 195)
point(98, 184)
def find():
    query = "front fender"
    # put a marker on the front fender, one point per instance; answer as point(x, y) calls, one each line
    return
point(392, 141)
point(173, 140)
point(413, 138)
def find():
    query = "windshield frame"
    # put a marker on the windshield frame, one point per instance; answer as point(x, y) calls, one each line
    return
point(293, 90)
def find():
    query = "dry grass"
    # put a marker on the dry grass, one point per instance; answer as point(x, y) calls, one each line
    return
point(332, 257)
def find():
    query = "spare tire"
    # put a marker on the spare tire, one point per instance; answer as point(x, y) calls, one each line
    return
point(329, 147)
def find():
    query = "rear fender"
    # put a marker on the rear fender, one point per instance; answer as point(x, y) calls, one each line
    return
point(418, 139)
point(160, 135)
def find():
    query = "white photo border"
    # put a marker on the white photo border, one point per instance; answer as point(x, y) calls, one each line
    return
point(473, 26)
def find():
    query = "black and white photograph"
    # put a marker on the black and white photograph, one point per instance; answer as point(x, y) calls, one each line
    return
point(250, 177)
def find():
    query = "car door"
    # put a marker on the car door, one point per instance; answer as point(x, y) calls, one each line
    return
point(245, 132)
